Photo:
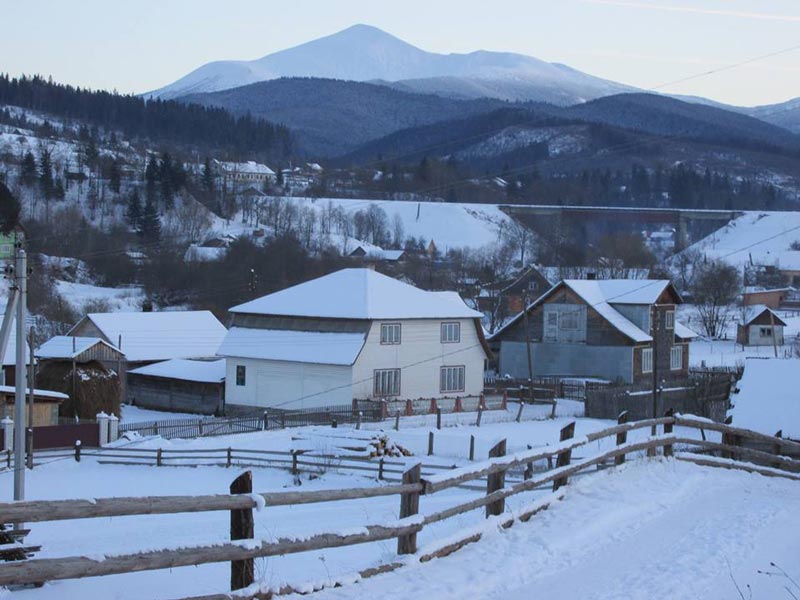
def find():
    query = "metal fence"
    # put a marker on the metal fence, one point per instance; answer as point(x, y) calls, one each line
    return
point(191, 428)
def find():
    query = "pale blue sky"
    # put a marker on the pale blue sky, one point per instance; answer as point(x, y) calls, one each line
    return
point(138, 45)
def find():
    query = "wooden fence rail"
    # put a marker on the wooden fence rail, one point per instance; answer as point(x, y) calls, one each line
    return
point(414, 485)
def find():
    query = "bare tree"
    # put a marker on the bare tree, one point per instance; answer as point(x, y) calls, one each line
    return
point(715, 288)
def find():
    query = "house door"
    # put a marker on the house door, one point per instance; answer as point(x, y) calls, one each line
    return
point(551, 326)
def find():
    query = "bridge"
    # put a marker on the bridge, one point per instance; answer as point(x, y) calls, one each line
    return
point(689, 224)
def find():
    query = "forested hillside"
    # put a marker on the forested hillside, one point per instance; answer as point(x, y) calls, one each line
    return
point(154, 121)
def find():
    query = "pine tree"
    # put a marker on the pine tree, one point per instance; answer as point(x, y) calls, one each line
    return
point(208, 176)
point(150, 223)
point(46, 173)
point(166, 176)
point(114, 177)
point(134, 210)
point(9, 209)
point(28, 172)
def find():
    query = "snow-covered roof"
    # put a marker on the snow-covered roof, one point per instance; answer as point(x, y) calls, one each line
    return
point(201, 371)
point(66, 346)
point(602, 294)
point(160, 335)
point(621, 291)
point(767, 400)
point(195, 253)
point(246, 167)
point(752, 312)
point(10, 389)
point(683, 332)
point(293, 346)
point(359, 294)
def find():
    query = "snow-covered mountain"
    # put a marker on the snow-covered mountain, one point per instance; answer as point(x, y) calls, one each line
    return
point(365, 53)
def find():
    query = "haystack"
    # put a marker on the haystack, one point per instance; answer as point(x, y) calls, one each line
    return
point(96, 388)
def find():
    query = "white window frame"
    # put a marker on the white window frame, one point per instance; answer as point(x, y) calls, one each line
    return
point(647, 360)
point(391, 334)
point(669, 319)
point(676, 358)
point(452, 379)
point(450, 332)
point(386, 382)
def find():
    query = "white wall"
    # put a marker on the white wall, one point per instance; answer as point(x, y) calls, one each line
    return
point(420, 356)
point(757, 340)
point(287, 385)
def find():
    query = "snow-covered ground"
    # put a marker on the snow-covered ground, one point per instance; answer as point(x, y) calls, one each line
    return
point(726, 352)
point(761, 238)
point(64, 478)
point(661, 529)
point(119, 299)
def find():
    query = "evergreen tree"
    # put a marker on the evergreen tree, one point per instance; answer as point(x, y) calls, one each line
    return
point(114, 176)
point(9, 209)
point(150, 223)
point(208, 176)
point(151, 177)
point(46, 173)
point(134, 210)
point(28, 172)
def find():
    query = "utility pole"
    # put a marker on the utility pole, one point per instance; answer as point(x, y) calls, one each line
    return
point(772, 330)
point(31, 394)
point(21, 275)
point(527, 346)
point(656, 328)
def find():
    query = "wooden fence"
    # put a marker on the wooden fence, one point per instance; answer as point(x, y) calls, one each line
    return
point(243, 549)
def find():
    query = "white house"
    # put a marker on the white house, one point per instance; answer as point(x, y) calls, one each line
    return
point(352, 334)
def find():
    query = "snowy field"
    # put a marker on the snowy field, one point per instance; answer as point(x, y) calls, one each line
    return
point(762, 238)
point(725, 352)
point(663, 529)
point(67, 479)
point(119, 299)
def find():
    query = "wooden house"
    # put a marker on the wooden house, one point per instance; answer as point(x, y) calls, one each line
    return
point(760, 326)
point(772, 298)
point(352, 334)
point(148, 337)
point(46, 405)
point(178, 385)
point(600, 329)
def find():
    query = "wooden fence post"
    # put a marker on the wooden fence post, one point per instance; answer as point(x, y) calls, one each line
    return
point(504, 404)
point(8, 458)
point(409, 408)
point(565, 456)
point(358, 420)
point(668, 431)
point(438, 417)
point(77, 453)
point(528, 468)
point(397, 421)
point(472, 447)
point(200, 427)
point(380, 469)
point(294, 462)
point(229, 460)
point(622, 437)
point(458, 408)
point(496, 481)
point(158, 457)
point(242, 571)
point(519, 412)
point(409, 506)
point(283, 420)
point(480, 415)
point(430, 443)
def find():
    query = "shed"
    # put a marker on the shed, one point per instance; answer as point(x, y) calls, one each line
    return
point(86, 369)
point(760, 327)
point(45, 405)
point(178, 385)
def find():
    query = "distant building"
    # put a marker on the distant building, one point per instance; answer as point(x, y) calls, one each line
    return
point(148, 337)
point(773, 298)
point(760, 327)
point(353, 334)
point(178, 385)
point(600, 329)
point(240, 173)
